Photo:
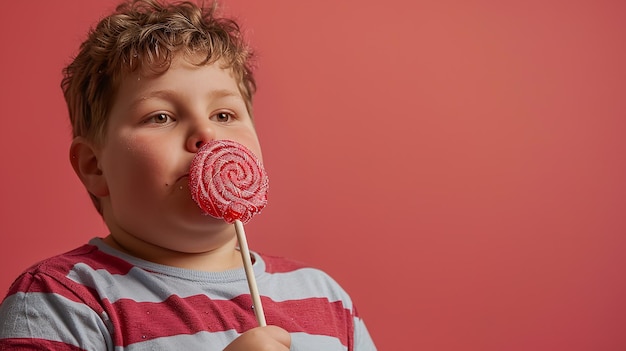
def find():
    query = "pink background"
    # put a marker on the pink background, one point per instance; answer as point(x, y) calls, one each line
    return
point(457, 165)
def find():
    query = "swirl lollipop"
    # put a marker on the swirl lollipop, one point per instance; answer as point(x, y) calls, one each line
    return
point(227, 181)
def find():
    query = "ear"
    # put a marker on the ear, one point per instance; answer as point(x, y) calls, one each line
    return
point(84, 159)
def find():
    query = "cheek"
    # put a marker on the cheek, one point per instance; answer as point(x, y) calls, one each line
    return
point(251, 141)
point(130, 162)
point(256, 149)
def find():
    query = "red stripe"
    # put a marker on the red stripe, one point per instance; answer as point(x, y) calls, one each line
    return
point(142, 321)
point(29, 344)
point(60, 266)
point(281, 265)
point(96, 259)
point(355, 312)
point(315, 316)
point(61, 285)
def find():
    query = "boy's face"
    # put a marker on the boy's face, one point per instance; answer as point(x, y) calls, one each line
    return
point(155, 128)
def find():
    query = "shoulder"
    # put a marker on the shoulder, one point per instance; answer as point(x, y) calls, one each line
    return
point(292, 275)
point(59, 272)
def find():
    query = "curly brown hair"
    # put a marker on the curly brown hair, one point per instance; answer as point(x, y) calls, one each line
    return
point(144, 36)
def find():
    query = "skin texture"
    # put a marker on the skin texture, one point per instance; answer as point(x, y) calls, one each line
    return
point(140, 172)
point(270, 338)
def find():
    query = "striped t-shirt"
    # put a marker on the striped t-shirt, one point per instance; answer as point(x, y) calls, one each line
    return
point(97, 298)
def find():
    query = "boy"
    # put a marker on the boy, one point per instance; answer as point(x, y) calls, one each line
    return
point(150, 85)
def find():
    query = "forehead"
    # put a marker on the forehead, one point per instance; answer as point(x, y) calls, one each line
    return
point(183, 75)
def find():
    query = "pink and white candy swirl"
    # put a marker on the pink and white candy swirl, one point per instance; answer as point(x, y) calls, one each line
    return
point(228, 181)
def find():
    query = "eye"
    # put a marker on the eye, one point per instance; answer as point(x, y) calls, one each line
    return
point(159, 118)
point(223, 117)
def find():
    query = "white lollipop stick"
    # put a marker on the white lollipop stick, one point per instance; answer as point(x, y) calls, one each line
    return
point(247, 265)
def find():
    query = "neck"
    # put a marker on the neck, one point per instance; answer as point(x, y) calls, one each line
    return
point(220, 258)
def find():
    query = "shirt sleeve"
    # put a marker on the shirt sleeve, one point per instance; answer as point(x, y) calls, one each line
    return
point(41, 313)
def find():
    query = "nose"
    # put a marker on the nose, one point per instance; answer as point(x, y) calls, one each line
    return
point(199, 136)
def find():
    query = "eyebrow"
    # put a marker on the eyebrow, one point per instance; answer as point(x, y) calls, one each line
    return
point(165, 94)
point(222, 93)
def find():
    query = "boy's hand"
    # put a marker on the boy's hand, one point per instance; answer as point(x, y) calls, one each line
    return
point(270, 338)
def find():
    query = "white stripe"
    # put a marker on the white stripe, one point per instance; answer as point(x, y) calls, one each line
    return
point(219, 340)
point(199, 341)
point(362, 339)
point(308, 342)
point(301, 284)
point(144, 286)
